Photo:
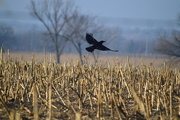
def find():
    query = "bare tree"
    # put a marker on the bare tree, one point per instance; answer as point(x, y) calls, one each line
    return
point(7, 37)
point(170, 45)
point(53, 14)
point(6, 33)
point(76, 29)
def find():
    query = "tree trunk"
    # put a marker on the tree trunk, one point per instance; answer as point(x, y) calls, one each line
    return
point(95, 57)
point(80, 56)
point(57, 54)
point(80, 52)
point(57, 57)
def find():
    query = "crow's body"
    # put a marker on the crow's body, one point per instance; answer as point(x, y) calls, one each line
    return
point(95, 44)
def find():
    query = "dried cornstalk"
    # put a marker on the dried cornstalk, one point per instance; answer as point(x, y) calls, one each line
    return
point(35, 103)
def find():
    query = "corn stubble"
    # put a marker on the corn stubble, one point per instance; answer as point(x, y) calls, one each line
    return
point(46, 90)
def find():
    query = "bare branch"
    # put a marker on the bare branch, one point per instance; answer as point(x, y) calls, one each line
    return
point(169, 45)
point(39, 15)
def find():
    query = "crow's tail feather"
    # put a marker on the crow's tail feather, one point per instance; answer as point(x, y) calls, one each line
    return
point(114, 50)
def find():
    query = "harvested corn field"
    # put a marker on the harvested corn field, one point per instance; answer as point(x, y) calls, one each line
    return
point(46, 90)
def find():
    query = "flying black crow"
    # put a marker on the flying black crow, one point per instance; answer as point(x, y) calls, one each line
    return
point(95, 44)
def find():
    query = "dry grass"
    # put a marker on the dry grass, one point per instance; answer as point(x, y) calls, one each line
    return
point(46, 90)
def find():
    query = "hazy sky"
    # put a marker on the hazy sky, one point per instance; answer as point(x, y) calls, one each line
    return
point(146, 9)
point(138, 9)
point(130, 9)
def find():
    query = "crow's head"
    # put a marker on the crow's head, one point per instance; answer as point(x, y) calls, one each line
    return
point(102, 41)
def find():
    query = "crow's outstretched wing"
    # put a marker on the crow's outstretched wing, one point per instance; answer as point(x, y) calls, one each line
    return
point(90, 39)
point(90, 49)
point(104, 48)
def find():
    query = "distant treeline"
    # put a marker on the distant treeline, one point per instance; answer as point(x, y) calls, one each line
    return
point(134, 41)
